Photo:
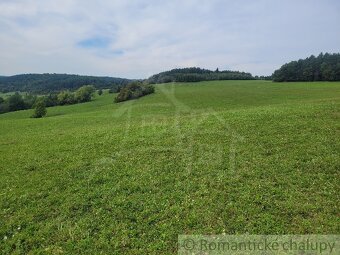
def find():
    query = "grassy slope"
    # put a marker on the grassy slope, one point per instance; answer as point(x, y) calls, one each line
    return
point(213, 157)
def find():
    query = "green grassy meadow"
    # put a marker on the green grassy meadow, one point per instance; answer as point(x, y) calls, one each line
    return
point(194, 158)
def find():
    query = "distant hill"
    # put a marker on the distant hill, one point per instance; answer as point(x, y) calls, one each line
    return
point(47, 83)
point(195, 74)
point(325, 67)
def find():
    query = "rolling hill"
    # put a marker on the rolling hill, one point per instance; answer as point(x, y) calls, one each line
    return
point(196, 74)
point(47, 83)
point(211, 157)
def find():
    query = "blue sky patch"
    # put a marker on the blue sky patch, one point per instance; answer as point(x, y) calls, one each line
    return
point(95, 42)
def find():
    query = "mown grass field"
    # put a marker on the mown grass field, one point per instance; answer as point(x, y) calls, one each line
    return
point(203, 158)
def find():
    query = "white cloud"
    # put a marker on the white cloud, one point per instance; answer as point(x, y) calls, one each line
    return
point(146, 37)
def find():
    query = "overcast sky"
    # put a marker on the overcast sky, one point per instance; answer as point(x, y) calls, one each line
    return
point(135, 39)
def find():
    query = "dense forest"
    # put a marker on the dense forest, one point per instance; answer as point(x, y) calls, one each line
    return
point(325, 67)
point(195, 74)
point(48, 83)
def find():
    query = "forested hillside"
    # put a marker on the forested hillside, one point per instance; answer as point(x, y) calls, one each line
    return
point(325, 67)
point(46, 83)
point(194, 74)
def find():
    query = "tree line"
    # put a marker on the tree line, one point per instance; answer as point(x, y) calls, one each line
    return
point(195, 74)
point(18, 102)
point(50, 83)
point(325, 67)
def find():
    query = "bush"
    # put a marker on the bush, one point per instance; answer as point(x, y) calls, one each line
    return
point(65, 97)
point(39, 108)
point(100, 92)
point(29, 100)
point(16, 102)
point(51, 100)
point(4, 107)
point(134, 90)
point(84, 94)
point(148, 89)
